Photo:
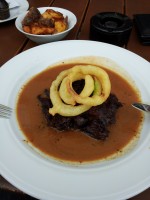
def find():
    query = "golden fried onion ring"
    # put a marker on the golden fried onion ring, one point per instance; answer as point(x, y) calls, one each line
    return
point(67, 97)
point(58, 105)
point(95, 92)
point(103, 79)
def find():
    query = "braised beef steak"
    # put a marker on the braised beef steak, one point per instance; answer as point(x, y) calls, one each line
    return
point(94, 122)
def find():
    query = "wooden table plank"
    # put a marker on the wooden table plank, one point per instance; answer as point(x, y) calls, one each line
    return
point(142, 196)
point(78, 7)
point(137, 7)
point(9, 33)
point(69, 5)
point(97, 6)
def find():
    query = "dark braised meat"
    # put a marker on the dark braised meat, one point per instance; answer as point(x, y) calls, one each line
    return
point(32, 16)
point(46, 22)
point(95, 122)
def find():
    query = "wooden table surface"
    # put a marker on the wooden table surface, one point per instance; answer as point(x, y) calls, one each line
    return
point(13, 42)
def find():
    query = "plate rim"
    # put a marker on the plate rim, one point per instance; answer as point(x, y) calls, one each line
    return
point(63, 42)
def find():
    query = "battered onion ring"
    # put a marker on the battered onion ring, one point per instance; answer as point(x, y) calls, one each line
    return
point(103, 79)
point(97, 87)
point(62, 92)
point(65, 87)
point(58, 105)
point(89, 86)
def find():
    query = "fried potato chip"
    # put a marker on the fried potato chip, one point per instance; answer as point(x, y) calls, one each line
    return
point(50, 13)
point(60, 26)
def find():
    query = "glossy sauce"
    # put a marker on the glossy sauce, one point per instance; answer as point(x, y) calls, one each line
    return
point(75, 146)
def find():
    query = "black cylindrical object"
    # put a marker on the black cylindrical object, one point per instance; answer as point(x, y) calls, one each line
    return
point(4, 10)
point(111, 27)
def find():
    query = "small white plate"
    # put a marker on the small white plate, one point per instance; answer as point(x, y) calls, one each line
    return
point(44, 179)
point(14, 12)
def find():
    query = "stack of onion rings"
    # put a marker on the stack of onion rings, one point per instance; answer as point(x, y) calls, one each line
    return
point(67, 102)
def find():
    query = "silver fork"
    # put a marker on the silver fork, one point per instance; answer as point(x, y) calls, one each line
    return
point(5, 111)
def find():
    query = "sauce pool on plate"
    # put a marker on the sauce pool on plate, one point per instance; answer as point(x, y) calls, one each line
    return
point(75, 146)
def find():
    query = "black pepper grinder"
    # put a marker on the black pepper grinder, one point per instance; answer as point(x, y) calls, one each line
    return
point(4, 10)
point(110, 27)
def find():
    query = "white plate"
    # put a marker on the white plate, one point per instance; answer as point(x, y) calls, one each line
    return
point(118, 179)
point(14, 12)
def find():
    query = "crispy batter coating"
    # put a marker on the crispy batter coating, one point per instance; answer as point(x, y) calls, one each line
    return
point(67, 102)
point(50, 22)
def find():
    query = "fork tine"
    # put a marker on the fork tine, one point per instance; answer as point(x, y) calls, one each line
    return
point(5, 116)
point(5, 111)
point(5, 107)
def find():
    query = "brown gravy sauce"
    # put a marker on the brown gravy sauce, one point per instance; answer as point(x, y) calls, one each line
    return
point(74, 146)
